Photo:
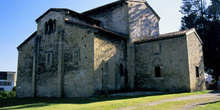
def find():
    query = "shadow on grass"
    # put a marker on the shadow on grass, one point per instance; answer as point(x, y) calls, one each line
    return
point(209, 103)
point(22, 103)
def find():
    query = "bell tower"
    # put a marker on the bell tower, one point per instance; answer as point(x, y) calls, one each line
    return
point(143, 23)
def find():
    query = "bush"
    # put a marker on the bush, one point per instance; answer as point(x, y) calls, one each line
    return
point(6, 94)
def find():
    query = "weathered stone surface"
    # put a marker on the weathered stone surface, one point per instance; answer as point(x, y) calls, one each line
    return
point(25, 66)
point(113, 48)
point(109, 54)
point(195, 56)
point(177, 59)
point(78, 73)
point(172, 58)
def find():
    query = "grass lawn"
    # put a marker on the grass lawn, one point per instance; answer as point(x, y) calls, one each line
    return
point(100, 103)
point(211, 106)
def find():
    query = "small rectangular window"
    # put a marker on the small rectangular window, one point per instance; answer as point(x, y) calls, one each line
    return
point(76, 54)
point(3, 75)
point(27, 63)
point(157, 72)
point(197, 71)
point(5, 83)
point(156, 48)
point(1, 89)
point(49, 58)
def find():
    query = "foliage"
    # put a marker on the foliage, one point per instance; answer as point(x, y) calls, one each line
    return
point(7, 94)
point(206, 20)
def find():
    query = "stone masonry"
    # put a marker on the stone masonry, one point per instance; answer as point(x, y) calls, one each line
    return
point(112, 48)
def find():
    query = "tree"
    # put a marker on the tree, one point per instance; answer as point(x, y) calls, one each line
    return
point(214, 10)
point(206, 20)
point(194, 12)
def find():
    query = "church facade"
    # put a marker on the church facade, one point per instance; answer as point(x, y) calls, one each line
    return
point(113, 48)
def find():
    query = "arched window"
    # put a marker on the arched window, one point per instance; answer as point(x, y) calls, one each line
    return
point(46, 27)
point(76, 54)
point(121, 70)
point(50, 25)
point(54, 25)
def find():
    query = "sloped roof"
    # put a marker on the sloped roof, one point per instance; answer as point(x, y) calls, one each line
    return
point(113, 5)
point(28, 39)
point(104, 8)
point(96, 27)
point(152, 10)
point(70, 12)
point(168, 36)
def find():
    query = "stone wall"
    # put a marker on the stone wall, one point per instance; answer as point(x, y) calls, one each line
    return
point(142, 21)
point(47, 55)
point(109, 62)
point(78, 69)
point(195, 53)
point(170, 55)
point(115, 19)
point(24, 71)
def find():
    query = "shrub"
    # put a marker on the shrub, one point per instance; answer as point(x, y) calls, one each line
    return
point(7, 94)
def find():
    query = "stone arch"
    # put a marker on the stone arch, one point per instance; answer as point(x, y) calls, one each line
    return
point(54, 25)
point(156, 62)
point(50, 23)
point(46, 27)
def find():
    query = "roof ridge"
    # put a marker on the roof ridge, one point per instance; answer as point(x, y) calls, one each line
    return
point(97, 27)
point(166, 35)
point(102, 6)
point(30, 37)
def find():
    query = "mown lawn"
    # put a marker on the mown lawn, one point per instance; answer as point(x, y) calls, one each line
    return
point(211, 106)
point(100, 103)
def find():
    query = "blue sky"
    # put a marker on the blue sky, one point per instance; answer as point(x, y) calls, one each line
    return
point(17, 21)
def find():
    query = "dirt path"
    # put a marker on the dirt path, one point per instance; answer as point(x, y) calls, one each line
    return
point(212, 97)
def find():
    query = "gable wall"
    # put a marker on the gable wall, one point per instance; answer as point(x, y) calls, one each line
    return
point(48, 42)
point(171, 56)
point(195, 53)
point(24, 71)
point(58, 16)
point(78, 73)
point(115, 20)
point(109, 54)
point(143, 22)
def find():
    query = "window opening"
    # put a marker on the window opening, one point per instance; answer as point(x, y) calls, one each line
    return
point(76, 53)
point(121, 70)
point(49, 58)
point(1, 89)
point(46, 27)
point(197, 71)
point(157, 72)
point(54, 25)
point(3, 75)
point(50, 25)
point(5, 83)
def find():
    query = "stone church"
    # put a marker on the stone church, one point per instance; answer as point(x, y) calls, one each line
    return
point(112, 48)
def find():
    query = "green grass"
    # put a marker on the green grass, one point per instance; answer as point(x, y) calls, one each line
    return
point(211, 106)
point(172, 105)
point(98, 103)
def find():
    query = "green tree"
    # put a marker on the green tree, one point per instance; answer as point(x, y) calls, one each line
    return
point(205, 19)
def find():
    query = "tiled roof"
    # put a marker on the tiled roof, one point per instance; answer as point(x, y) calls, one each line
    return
point(70, 12)
point(96, 27)
point(104, 8)
point(112, 5)
point(167, 36)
